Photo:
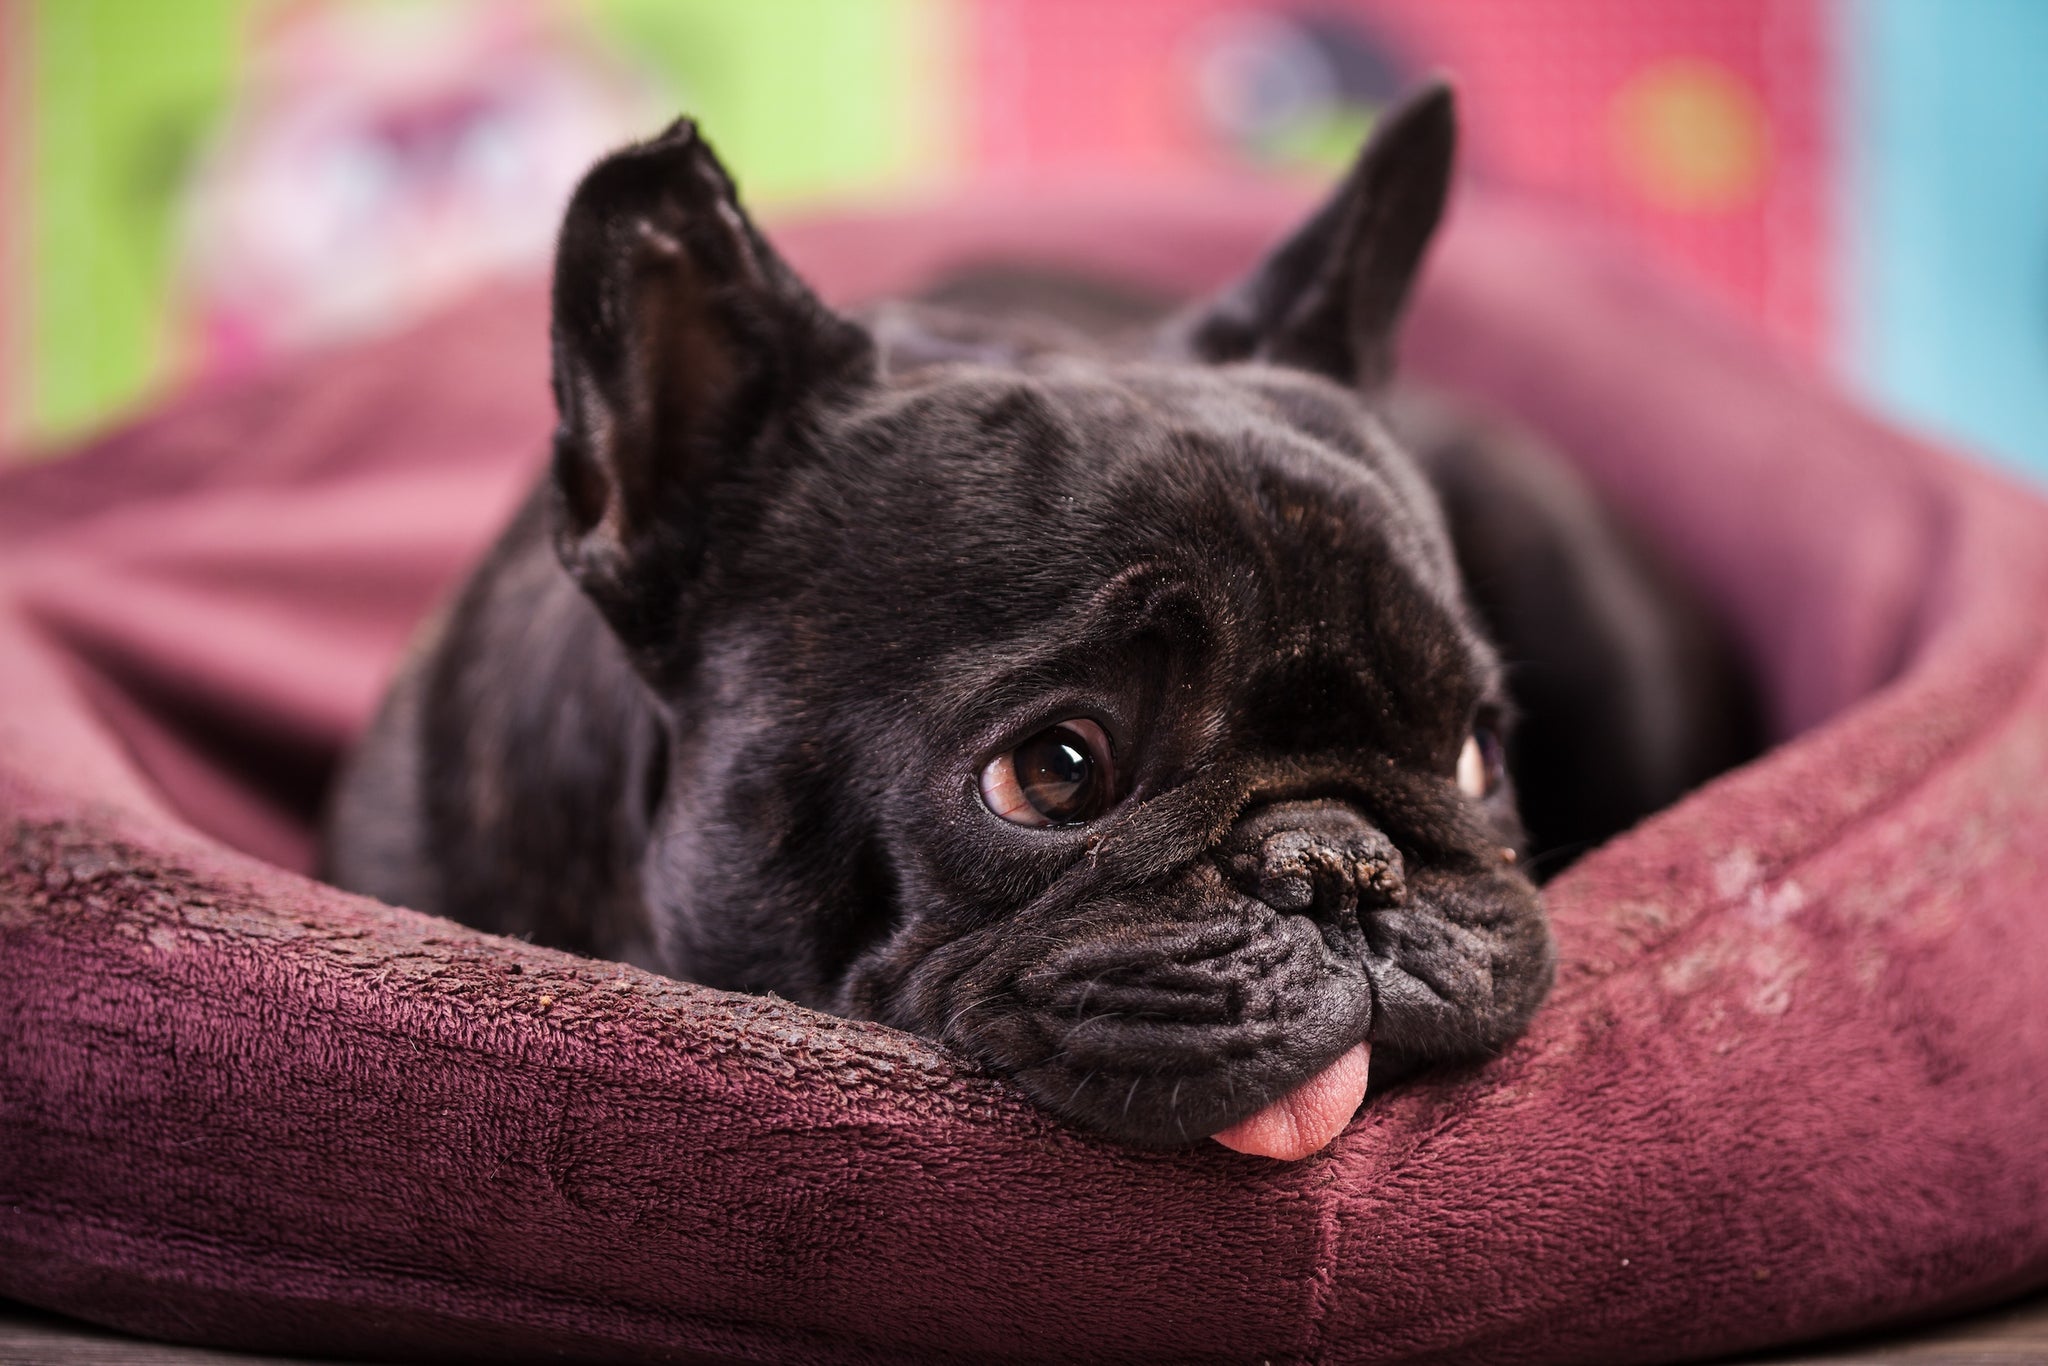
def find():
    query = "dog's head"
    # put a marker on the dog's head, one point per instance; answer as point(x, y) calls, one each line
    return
point(1121, 723)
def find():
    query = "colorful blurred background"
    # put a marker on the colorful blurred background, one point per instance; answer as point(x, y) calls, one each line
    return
point(189, 187)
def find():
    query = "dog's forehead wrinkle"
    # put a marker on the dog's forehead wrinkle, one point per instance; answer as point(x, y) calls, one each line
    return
point(1147, 626)
point(1048, 606)
point(1038, 629)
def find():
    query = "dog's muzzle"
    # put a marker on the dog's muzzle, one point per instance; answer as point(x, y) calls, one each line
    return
point(1242, 997)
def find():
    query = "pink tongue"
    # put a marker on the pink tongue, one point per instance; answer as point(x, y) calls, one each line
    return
point(1308, 1117)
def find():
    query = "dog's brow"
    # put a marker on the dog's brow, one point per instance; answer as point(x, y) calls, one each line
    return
point(1135, 586)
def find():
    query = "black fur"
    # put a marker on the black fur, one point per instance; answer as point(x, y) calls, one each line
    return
point(819, 572)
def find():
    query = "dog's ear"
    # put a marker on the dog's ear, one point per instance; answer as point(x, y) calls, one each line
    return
point(682, 346)
point(1329, 298)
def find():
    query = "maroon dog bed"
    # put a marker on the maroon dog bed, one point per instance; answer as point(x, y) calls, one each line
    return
point(1794, 1078)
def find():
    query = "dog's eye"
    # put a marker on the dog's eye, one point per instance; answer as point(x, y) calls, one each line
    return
point(1060, 776)
point(1481, 765)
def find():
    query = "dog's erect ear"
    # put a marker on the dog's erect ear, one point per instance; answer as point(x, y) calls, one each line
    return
point(681, 341)
point(1330, 298)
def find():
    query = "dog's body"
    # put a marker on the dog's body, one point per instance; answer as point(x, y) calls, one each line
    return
point(1112, 711)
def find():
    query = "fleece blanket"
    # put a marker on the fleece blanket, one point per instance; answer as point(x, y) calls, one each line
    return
point(1794, 1078)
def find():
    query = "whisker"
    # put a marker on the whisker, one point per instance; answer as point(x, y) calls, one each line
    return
point(1556, 854)
point(964, 1011)
point(1080, 1025)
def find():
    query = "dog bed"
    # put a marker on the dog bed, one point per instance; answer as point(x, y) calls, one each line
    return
point(1794, 1078)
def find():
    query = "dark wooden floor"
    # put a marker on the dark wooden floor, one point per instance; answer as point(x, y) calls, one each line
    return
point(29, 1337)
point(2001, 1337)
point(1998, 1337)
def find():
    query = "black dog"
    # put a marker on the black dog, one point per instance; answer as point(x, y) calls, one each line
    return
point(1117, 717)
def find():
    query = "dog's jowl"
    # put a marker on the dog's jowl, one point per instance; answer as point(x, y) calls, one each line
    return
point(1113, 711)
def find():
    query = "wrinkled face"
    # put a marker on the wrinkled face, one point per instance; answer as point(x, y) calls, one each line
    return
point(1123, 728)
point(1120, 723)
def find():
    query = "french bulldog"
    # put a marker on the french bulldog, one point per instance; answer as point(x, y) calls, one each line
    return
point(1109, 705)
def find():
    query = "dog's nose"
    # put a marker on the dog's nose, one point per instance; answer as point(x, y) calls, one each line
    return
point(1319, 859)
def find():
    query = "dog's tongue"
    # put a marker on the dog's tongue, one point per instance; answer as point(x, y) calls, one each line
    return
point(1308, 1117)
